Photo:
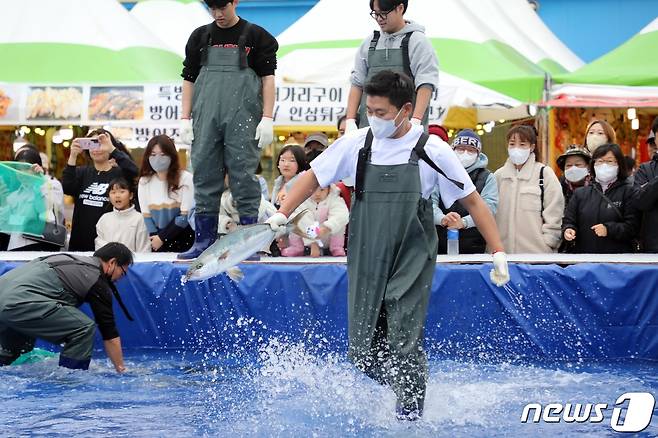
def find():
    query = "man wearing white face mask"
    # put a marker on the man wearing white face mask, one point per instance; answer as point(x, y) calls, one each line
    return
point(468, 147)
point(391, 257)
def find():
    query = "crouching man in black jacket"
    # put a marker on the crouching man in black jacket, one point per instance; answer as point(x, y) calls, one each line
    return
point(39, 300)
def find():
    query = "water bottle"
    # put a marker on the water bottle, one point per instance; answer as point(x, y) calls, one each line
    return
point(453, 242)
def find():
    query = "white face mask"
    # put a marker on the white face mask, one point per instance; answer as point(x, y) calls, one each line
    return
point(467, 158)
point(575, 174)
point(595, 140)
point(160, 163)
point(382, 128)
point(518, 156)
point(605, 173)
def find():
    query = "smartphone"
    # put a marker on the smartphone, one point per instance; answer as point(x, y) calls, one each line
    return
point(89, 143)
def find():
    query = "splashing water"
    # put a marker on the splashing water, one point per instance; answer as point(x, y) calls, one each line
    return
point(295, 388)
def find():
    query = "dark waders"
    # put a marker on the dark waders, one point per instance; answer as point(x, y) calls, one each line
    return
point(227, 106)
point(391, 263)
point(387, 59)
point(34, 304)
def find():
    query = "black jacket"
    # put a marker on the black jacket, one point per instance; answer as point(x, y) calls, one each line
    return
point(646, 186)
point(588, 208)
point(90, 189)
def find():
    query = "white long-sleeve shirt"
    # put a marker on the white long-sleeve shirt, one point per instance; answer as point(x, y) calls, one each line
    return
point(123, 226)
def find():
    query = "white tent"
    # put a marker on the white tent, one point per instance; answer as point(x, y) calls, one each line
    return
point(172, 21)
point(319, 49)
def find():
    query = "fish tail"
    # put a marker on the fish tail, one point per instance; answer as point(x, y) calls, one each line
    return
point(293, 225)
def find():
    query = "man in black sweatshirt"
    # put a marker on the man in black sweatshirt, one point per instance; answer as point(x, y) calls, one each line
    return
point(228, 101)
point(39, 300)
point(646, 184)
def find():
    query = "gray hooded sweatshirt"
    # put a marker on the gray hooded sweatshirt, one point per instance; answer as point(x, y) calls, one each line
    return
point(422, 57)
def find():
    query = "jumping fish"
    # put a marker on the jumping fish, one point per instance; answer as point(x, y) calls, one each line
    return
point(235, 247)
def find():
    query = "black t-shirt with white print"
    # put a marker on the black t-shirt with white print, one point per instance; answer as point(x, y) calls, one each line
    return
point(91, 190)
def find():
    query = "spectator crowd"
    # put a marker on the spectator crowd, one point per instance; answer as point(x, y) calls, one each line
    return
point(598, 205)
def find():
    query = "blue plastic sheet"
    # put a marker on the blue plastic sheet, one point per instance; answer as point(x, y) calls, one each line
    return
point(586, 311)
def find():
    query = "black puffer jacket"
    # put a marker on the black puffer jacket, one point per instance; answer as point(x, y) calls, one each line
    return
point(646, 185)
point(588, 208)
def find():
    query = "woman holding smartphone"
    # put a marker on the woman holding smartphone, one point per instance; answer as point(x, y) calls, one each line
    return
point(90, 185)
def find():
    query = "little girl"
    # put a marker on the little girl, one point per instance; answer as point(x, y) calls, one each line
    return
point(330, 214)
point(124, 224)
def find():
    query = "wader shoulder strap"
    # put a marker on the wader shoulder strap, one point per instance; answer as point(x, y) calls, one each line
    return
point(242, 44)
point(364, 157)
point(74, 261)
point(405, 55)
point(419, 149)
point(374, 40)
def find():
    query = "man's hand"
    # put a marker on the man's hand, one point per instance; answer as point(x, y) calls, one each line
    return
point(350, 125)
point(452, 221)
point(185, 131)
point(277, 221)
point(265, 132)
point(500, 273)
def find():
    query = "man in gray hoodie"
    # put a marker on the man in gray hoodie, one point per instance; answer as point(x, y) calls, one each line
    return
point(400, 46)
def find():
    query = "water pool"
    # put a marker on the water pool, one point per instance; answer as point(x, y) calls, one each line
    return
point(284, 389)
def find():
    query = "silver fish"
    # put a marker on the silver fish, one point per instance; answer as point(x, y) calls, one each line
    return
point(235, 247)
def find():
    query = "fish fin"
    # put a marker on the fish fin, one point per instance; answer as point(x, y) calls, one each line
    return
point(294, 224)
point(235, 274)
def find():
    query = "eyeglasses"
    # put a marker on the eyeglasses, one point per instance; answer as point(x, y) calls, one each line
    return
point(612, 162)
point(380, 15)
point(122, 270)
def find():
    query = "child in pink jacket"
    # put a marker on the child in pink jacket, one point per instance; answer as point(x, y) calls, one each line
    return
point(326, 218)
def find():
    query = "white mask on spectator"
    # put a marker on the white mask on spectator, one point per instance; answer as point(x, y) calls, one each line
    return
point(605, 173)
point(160, 163)
point(518, 156)
point(595, 140)
point(575, 174)
point(467, 158)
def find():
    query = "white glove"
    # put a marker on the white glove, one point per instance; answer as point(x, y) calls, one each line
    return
point(500, 273)
point(265, 132)
point(185, 131)
point(415, 121)
point(350, 125)
point(277, 221)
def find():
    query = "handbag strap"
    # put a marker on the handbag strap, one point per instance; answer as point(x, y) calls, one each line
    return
point(610, 203)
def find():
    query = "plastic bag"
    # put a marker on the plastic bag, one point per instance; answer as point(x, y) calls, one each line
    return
point(23, 207)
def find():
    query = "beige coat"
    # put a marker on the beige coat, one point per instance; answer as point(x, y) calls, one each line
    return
point(523, 227)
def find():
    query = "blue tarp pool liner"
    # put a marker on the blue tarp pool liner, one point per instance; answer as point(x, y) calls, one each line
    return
point(583, 311)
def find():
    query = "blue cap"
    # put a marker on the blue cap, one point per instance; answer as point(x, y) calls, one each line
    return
point(466, 137)
point(453, 234)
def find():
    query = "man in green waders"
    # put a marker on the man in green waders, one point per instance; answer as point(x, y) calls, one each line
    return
point(39, 300)
point(228, 99)
point(400, 45)
point(392, 242)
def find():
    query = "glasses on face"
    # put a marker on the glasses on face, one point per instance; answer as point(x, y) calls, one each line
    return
point(610, 161)
point(380, 15)
point(123, 271)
